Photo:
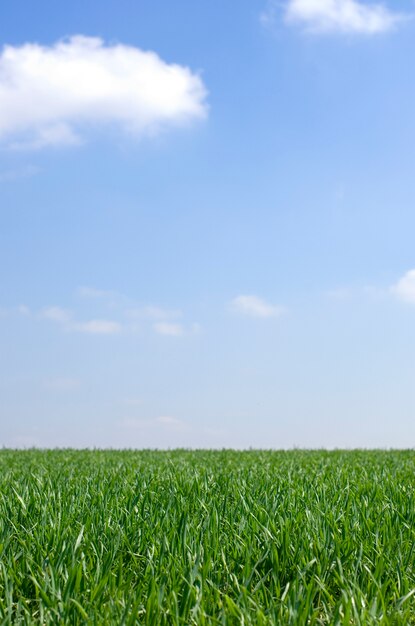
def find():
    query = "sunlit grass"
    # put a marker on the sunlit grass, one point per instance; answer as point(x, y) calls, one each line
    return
point(290, 538)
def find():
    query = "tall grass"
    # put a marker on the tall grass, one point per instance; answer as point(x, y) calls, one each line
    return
point(180, 537)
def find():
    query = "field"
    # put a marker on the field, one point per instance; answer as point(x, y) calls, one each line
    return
point(182, 537)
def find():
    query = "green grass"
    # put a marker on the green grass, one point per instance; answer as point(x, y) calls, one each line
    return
point(261, 538)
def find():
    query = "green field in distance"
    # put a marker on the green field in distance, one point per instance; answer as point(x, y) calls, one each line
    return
point(207, 537)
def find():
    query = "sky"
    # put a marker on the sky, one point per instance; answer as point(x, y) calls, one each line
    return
point(207, 224)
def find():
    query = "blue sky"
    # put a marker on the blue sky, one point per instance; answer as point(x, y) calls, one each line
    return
point(207, 218)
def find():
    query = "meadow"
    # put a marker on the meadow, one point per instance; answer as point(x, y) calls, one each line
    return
point(207, 537)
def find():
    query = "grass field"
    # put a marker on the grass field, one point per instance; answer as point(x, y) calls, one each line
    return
point(180, 537)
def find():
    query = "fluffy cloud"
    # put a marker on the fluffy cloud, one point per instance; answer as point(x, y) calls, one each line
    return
point(49, 94)
point(404, 289)
point(341, 16)
point(255, 307)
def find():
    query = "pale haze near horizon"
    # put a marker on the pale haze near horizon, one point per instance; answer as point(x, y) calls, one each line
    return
point(207, 218)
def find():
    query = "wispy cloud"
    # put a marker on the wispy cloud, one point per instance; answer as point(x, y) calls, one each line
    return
point(163, 421)
point(163, 320)
point(153, 313)
point(22, 310)
point(56, 314)
point(11, 175)
point(172, 329)
point(335, 16)
point(97, 327)
point(340, 293)
point(254, 306)
point(404, 288)
point(48, 94)
point(132, 320)
point(353, 292)
point(61, 135)
point(170, 421)
point(131, 310)
point(132, 401)
point(168, 328)
point(68, 323)
point(93, 293)
point(62, 384)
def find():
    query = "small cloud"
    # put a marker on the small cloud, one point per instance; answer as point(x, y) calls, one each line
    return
point(97, 327)
point(165, 421)
point(336, 16)
point(61, 384)
point(55, 135)
point(354, 292)
point(24, 310)
point(404, 289)
point(169, 328)
point(173, 329)
point(161, 320)
point(170, 422)
point(153, 313)
point(255, 307)
point(341, 293)
point(21, 310)
point(134, 423)
point(91, 292)
point(56, 314)
point(18, 173)
point(131, 401)
point(268, 16)
point(93, 327)
point(50, 94)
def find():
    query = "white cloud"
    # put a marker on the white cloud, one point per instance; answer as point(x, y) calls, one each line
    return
point(162, 321)
point(132, 401)
point(61, 384)
point(49, 93)
point(24, 310)
point(353, 292)
point(18, 173)
point(97, 327)
point(166, 421)
point(56, 314)
point(56, 135)
point(153, 313)
point(336, 16)
point(93, 327)
point(21, 310)
point(169, 328)
point(170, 421)
point(404, 289)
point(340, 293)
point(255, 307)
point(173, 329)
point(92, 292)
